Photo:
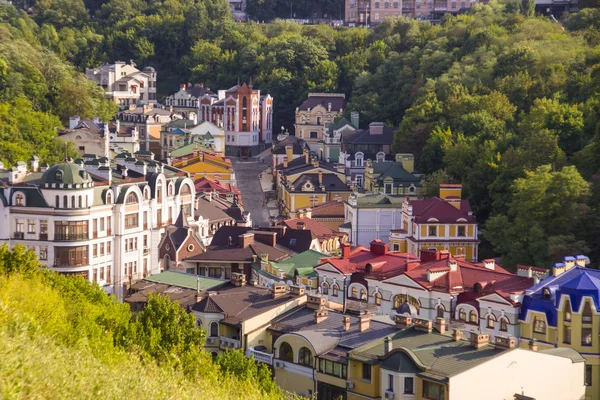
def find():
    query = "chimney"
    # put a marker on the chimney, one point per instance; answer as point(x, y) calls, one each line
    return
point(132, 107)
point(320, 178)
point(387, 345)
point(364, 321)
point(306, 155)
point(378, 247)
point(423, 325)
point(35, 163)
point(285, 161)
point(489, 263)
point(278, 290)
point(182, 86)
point(452, 193)
point(558, 269)
point(376, 128)
point(440, 325)
point(246, 239)
point(308, 213)
point(297, 290)
point(452, 264)
point(478, 339)
point(346, 323)
point(354, 119)
point(73, 121)
point(315, 302)
point(403, 321)
point(456, 334)
point(238, 279)
point(320, 315)
point(300, 226)
point(581, 260)
point(505, 342)
point(329, 107)
point(533, 345)
point(345, 250)
point(289, 152)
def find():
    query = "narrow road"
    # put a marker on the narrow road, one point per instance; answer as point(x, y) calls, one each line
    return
point(246, 174)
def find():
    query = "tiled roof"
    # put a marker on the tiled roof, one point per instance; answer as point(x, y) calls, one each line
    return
point(297, 147)
point(321, 231)
point(388, 265)
point(205, 183)
point(337, 102)
point(444, 212)
point(330, 209)
point(240, 254)
point(241, 303)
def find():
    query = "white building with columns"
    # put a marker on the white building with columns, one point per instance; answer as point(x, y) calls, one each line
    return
point(95, 218)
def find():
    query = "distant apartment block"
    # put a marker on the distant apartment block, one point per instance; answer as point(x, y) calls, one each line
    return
point(370, 12)
point(124, 83)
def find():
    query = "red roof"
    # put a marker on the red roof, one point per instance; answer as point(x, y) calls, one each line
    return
point(205, 184)
point(466, 275)
point(384, 265)
point(330, 209)
point(321, 231)
point(441, 210)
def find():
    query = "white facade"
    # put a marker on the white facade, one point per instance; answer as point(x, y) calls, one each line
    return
point(370, 222)
point(124, 84)
point(103, 229)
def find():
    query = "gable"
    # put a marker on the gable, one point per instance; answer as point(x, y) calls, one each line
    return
point(328, 268)
point(404, 281)
point(495, 298)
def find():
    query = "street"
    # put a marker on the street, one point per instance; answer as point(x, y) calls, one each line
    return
point(246, 173)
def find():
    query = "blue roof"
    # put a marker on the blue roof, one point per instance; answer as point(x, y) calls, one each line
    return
point(576, 283)
point(177, 130)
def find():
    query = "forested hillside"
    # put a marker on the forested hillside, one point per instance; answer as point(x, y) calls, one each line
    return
point(503, 102)
point(64, 338)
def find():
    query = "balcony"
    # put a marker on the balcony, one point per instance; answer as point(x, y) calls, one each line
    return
point(146, 251)
point(19, 235)
point(60, 262)
point(225, 342)
point(260, 356)
point(71, 236)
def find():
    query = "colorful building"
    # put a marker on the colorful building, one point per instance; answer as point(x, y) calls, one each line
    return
point(298, 269)
point(204, 165)
point(563, 311)
point(315, 114)
point(393, 178)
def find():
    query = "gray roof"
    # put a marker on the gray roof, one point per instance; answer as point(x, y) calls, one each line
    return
point(322, 340)
point(565, 352)
point(70, 173)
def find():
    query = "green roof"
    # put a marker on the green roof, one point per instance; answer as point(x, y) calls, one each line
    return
point(65, 173)
point(184, 280)
point(380, 201)
point(189, 149)
point(302, 263)
point(442, 356)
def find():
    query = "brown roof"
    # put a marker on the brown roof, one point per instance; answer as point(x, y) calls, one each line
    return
point(240, 303)
point(443, 211)
point(330, 209)
point(321, 231)
point(209, 210)
point(240, 254)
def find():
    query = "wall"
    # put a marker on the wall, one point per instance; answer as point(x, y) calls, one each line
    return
point(361, 386)
point(521, 371)
point(293, 377)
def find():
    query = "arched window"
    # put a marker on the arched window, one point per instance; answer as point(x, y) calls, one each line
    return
point(214, 329)
point(473, 317)
point(462, 314)
point(159, 192)
point(325, 288)
point(73, 205)
point(378, 298)
point(65, 202)
point(214, 355)
point(363, 295)
point(58, 176)
point(170, 189)
point(586, 316)
point(335, 288)
point(567, 311)
point(440, 311)
point(185, 189)
point(504, 324)
point(80, 202)
point(166, 263)
point(285, 352)
point(198, 323)
point(491, 321)
point(19, 199)
point(108, 197)
point(131, 198)
point(354, 292)
point(305, 357)
point(400, 299)
point(57, 202)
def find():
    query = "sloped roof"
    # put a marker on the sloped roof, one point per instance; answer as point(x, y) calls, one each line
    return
point(389, 264)
point(396, 171)
point(321, 231)
point(297, 147)
point(183, 280)
point(337, 102)
point(206, 209)
point(365, 137)
point(444, 212)
point(330, 209)
point(331, 183)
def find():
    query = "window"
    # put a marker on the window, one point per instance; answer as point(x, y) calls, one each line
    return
point(359, 161)
point(101, 249)
point(71, 230)
point(378, 298)
point(409, 385)
point(335, 289)
point(285, 352)
point(586, 336)
point(586, 317)
point(355, 292)
point(65, 202)
point(588, 375)
point(366, 372)
point(539, 325)
point(332, 368)
point(325, 288)
point(433, 230)
point(567, 311)
point(396, 247)
point(313, 135)
point(305, 357)
point(462, 314)
point(567, 334)
point(108, 247)
point(400, 299)
point(363, 295)
point(388, 187)
point(359, 180)
point(131, 221)
point(19, 199)
point(461, 231)
point(131, 198)
point(318, 121)
point(214, 329)
point(43, 253)
point(95, 250)
point(491, 321)
point(473, 317)
point(504, 324)
point(390, 382)
point(433, 391)
point(101, 273)
point(58, 176)
point(440, 311)
point(31, 226)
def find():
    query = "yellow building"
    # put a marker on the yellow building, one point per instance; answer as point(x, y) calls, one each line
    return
point(204, 165)
point(564, 311)
point(305, 183)
point(394, 178)
point(444, 223)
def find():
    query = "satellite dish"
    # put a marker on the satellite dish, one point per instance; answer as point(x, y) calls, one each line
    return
point(289, 283)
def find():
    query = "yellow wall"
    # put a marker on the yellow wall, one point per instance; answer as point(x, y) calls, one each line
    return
point(361, 386)
point(210, 169)
point(293, 382)
point(419, 390)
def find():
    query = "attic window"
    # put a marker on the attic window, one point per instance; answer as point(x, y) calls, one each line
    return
point(293, 242)
point(58, 176)
point(547, 293)
point(190, 247)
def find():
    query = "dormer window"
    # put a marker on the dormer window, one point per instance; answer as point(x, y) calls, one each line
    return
point(108, 198)
point(586, 317)
point(131, 198)
point(546, 293)
point(19, 200)
point(539, 325)
point(58, 176)
point(567, 311)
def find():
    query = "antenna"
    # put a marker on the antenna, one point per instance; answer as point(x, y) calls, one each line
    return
point(198, 284)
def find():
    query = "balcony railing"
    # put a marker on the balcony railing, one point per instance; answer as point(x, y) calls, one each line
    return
point(225, 342)
point(260, 356)
point(71, 236)
point(43, 236)
point(19, 235)
point(79, 262)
